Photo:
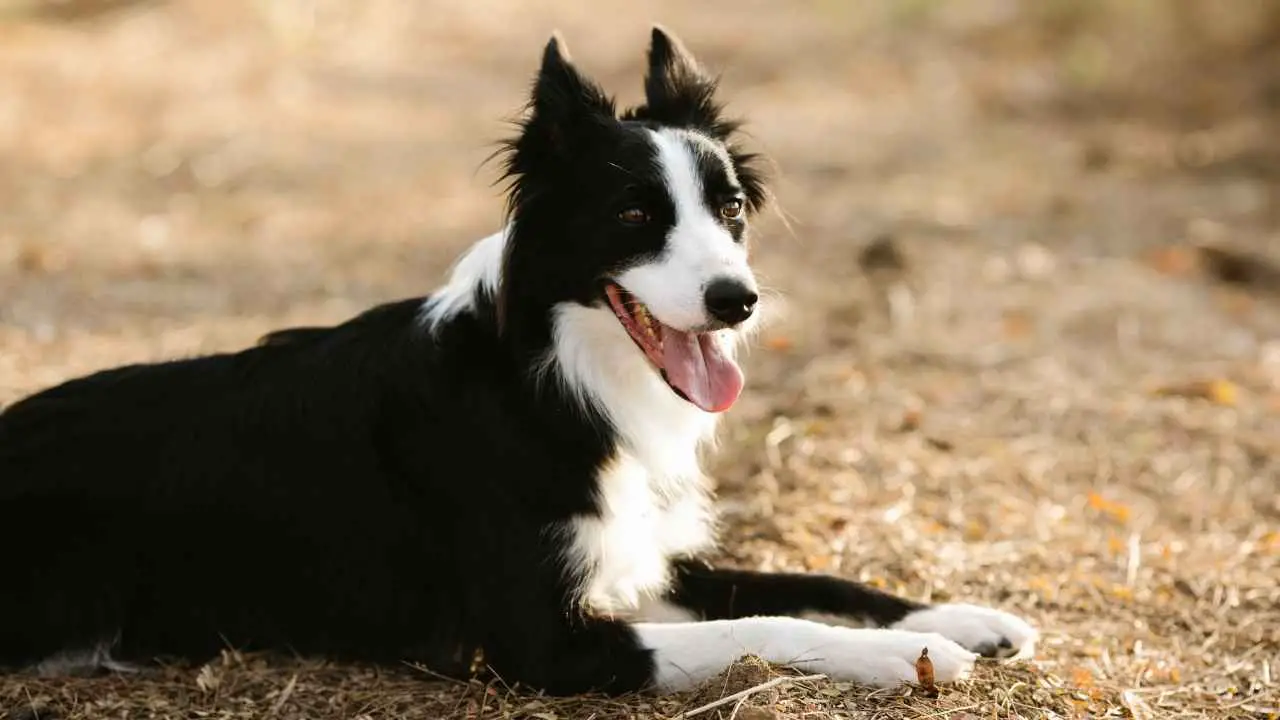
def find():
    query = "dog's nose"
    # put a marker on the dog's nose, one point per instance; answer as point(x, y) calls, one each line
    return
point(730, 301)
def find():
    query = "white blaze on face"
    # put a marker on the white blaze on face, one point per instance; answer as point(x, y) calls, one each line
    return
point(698, 249)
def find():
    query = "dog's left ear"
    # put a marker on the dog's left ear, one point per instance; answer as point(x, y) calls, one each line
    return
point(677, 91)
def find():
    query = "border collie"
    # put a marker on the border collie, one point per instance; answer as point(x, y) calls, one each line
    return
point(505, 471)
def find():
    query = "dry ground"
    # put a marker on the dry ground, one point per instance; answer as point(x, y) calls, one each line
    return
point(981, 423)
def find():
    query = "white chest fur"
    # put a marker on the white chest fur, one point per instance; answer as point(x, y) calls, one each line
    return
point(622, 555)
point(651, 496)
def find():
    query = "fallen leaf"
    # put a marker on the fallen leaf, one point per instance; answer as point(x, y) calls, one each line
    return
point(910, 420)
point(1081, 677)
point(817, 562)
point(1016, 325)
point(974, 530)
point(1116, 511)
point(1222, 392)
point(779, 343)
point(1173, 260)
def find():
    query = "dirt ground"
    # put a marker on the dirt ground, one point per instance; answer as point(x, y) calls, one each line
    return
point(1014, 356)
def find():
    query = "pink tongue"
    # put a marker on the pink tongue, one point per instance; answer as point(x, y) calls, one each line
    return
point(696, 367)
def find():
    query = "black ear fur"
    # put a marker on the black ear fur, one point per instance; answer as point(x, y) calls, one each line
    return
point(565, 102)
point(679, 93)
point(564, 107)
point(566, 112)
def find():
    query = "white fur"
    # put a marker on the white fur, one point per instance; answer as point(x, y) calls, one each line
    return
point(699, 249)
point(851, 621)
point(652, 496)
point(620, 557)
point(598, 362)
point(688, 654)
point(973, 626)
point(479, 270)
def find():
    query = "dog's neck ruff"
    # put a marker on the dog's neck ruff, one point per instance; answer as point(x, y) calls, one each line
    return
point(652, 498)
point(597, 365)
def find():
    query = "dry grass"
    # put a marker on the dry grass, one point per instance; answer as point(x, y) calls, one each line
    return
point(1050, 401)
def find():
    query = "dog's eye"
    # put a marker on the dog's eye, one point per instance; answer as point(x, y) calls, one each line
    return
point(731, 209)
point(634, 216)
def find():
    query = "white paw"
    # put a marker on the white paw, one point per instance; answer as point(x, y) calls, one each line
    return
point(885, 658)
point(986, 631)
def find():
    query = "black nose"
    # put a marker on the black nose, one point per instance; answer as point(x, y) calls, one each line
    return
point(730, 301)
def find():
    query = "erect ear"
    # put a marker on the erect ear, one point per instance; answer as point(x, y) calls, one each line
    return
point(564, 102)
point(677, 91)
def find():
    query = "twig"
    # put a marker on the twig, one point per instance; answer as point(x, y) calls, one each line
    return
point(284, 696)
point(948, 711)
point(1136, 706)
point(749, 691)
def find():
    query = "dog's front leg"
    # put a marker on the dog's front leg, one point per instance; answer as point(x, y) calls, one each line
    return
point(686, 654)
point(714, 593)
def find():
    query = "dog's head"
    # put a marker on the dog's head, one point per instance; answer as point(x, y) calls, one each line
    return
point(642, 214)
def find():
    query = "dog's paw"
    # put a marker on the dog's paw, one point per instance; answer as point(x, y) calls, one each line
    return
point(886, 658)
point(986, 631)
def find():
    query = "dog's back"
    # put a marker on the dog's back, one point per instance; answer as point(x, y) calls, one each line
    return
point(252, 499)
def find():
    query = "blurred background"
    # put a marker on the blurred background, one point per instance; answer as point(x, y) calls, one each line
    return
point(1026, 336)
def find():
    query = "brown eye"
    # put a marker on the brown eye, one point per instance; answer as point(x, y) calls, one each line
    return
point(731, 210)
point(634, 216)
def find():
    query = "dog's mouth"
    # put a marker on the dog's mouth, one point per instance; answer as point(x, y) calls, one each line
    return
point(692, 363)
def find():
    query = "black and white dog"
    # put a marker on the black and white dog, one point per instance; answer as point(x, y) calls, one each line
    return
point(507, 469)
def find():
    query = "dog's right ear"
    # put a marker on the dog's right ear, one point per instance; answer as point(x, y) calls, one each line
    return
point(564, 102)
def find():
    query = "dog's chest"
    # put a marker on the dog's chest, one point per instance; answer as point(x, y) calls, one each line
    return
point(623, 554)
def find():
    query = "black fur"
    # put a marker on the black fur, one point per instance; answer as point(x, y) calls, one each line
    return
point(679, 93)
point(374, 490)
point(724, 594)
